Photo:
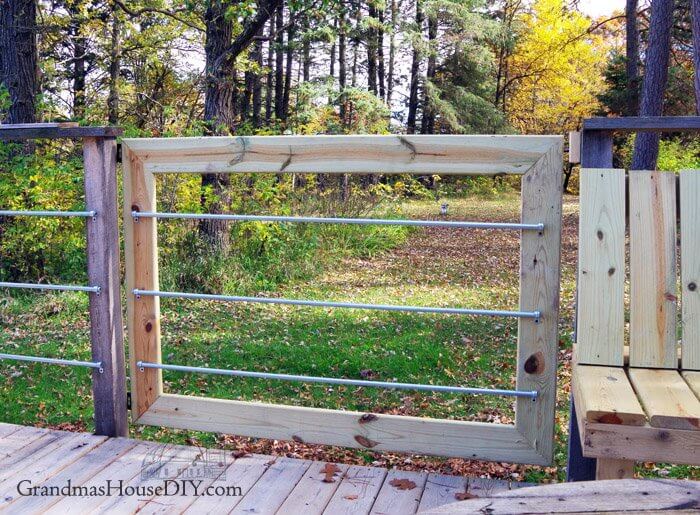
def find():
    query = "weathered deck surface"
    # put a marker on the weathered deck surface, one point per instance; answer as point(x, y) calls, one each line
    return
point(48, 458)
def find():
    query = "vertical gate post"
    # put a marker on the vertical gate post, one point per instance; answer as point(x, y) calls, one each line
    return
point(106, 328)
point(596, 152)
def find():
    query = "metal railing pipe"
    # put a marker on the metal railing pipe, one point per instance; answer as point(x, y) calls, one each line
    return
point(54, 361)
point(338, 381)
point(329, 304)
point(83, 214)
point(332, 220)
point(61, 287)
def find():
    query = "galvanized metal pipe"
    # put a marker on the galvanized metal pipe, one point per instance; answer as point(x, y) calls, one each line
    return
point(328, 304)
point(348, 382)
point(62, 287)
point(54, 361)
point(354, 221)
point(83, 214)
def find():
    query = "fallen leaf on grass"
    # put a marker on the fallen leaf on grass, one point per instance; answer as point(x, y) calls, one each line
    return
point(329, 470)
point(403, 484)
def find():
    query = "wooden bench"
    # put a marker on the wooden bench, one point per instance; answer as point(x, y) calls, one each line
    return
point(637, 394)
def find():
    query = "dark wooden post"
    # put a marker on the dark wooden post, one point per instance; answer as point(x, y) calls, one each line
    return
point(596, 152)
point(106, 327)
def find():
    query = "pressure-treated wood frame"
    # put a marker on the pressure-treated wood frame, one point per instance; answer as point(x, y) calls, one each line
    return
point(538, 159)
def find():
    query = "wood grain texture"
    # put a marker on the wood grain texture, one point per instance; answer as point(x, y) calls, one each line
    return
point(141, 264)
point(242, 473)
point(357, 491)
point(421, 154)
point(346, 428)
point(392, 499)
point(312, 493)
point(653, 295)
point(38, 471)
point(601, 274)
point(24, 131)
point(127, 467)
point(270, 491)
point(605, 395)
point(173, 461)
point(538, 341)
point(612, 468)
point(19, 445)
point(690, 268)
point(78, 472)
point(693, 380)
point(440, 490)
point(644, 123)
point(640, 443)
point(8, 429)
point(666, 398)
point(106, 326)
point(616, 496)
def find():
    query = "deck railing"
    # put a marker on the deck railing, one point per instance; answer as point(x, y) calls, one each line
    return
point(538, 159)
point(106, 333)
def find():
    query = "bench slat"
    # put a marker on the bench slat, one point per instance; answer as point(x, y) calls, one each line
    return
point(653, 269)
point(690, 267)
point(693, 380)
point(667, 398)
point(604, 395)
point(600, 326)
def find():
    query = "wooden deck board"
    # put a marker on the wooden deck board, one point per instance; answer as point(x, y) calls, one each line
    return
point(242, 473)
point(52, 459)
point(357, 491)
point(88, 466)
point(271, 490)
point(313, 492)
point(8, 429)
point(393, 498)
point(65, 452)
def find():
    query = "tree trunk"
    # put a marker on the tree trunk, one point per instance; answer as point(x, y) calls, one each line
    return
point(392, 53)
point(428, 121)
point(219, 115)
point(79, 49)
point(695, 13)
point(415, 67)
point(356, 44)
point(279, 64)
point(646, 145)
point(288, 71)
point(19, 73)
point(114, 68)
point(380, 54)
point(632, 58)
point(306, 52)
point(270, 71)
point(257, 83)
point(372, 49)
point(331, 71)
point(342, 70)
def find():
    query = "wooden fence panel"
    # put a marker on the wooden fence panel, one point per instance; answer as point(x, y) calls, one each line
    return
point(690, 268)
point(653, 269)
point(601, 276)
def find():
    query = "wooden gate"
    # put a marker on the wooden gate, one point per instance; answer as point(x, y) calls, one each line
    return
point(538, 159)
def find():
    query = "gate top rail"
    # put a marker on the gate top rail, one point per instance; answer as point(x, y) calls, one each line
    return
point(392, 154)
point(24, 131)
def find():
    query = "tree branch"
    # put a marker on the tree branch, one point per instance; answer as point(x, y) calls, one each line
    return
point(250, 29)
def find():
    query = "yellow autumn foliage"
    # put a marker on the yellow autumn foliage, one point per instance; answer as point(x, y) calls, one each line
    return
point(556, 70)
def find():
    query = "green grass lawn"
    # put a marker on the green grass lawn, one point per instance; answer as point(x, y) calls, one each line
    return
point(434, 267)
